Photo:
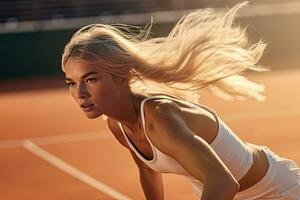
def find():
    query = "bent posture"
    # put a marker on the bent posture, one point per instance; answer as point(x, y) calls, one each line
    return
point(147, 91)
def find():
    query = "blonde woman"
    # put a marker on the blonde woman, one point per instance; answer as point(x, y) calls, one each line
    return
point(147, 90)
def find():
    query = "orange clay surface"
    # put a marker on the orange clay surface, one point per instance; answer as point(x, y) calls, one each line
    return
point(51, 119)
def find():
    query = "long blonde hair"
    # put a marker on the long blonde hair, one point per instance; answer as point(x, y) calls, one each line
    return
point(204, 49)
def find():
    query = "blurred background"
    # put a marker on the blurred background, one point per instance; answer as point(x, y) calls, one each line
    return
point(34, 32)
point(50, 150)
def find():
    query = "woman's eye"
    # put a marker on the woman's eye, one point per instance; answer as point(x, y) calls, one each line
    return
point(70, 84)
point(91, 80)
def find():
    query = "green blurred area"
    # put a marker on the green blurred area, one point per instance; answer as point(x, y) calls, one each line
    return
point(32, 54)
point(38, 54)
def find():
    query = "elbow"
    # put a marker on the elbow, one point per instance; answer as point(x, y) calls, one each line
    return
point(234, 187)
point(228, 187)
point(231, 186)
point(230, 183)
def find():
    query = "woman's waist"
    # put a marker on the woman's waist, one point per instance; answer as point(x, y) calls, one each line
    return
point(257, 170)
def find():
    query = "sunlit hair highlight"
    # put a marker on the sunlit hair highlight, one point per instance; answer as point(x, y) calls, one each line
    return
point(203, 50)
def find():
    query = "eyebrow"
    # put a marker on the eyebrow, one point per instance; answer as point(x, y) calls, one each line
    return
point(82, 77)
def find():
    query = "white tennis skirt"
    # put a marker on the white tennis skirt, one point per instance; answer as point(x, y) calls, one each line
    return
point(281, 182)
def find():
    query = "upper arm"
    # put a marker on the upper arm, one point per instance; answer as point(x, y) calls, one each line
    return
point(173, 137)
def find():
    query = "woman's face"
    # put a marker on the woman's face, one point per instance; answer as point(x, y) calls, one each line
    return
point(94, 90)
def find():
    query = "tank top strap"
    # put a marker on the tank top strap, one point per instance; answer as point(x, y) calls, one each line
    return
point(142, 110)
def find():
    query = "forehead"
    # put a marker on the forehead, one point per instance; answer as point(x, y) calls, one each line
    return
point(76, 68)
point(76, 64)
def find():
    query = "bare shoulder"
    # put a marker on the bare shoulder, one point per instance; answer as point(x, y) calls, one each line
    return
point(160, 109)
point(116, 131)
point(166, 116)
point(158, 112)
point(163, 117)
point(160, 106)
point(167, 106)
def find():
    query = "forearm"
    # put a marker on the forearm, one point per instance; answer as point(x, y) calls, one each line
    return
point(152, 185)
point(222, 190)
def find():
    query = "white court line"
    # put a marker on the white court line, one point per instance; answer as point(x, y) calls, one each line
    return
point(62, 165)
point(32, 147)
point(56, 139)
point(61, 139)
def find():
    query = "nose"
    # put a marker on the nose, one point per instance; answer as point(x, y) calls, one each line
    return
point(82, 91)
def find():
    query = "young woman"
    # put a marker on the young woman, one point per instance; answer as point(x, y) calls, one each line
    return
point(147, 90)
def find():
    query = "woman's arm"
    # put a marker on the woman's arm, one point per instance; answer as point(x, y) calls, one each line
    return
point(151, 180)
point(191, 151)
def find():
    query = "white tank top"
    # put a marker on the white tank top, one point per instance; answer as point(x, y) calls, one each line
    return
point(232, 151)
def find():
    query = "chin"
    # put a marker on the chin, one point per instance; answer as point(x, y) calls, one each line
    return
point(92, 115)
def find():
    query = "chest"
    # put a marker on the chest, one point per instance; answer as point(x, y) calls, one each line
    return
point(158, 161)
point(138, 141)
point(200, 121)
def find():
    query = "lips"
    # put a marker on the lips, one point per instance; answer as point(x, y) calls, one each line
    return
point(88, 107)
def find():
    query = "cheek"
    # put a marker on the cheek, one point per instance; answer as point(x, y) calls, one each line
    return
point(106, 95)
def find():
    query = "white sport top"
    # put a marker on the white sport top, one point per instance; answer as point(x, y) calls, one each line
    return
point(231, 150)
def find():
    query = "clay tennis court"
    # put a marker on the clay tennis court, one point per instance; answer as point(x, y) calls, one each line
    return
point(50, 150)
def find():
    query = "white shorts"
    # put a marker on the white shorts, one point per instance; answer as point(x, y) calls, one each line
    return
point(281, 182)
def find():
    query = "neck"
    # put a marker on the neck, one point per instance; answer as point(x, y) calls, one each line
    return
point(127, 111)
